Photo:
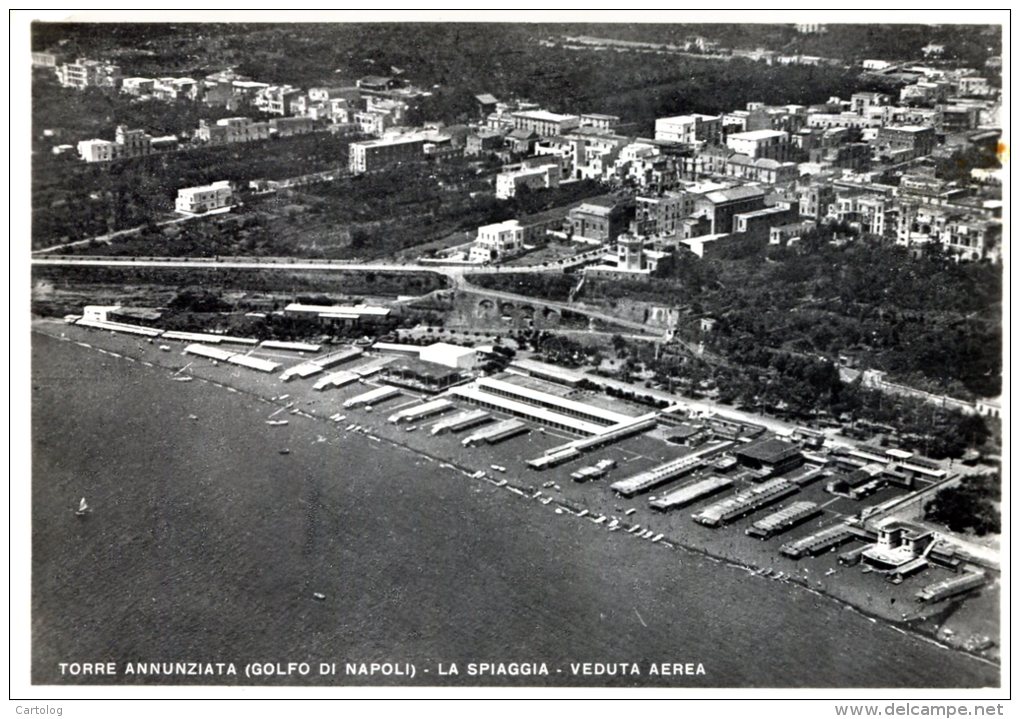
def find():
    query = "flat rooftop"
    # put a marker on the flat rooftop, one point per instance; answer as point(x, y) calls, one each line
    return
point(757, 135)
point(473, 394)
point(544, 116)
point(771, 451)
point(491, 385)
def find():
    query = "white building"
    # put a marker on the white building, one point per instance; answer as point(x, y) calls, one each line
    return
point(770, 144)
point(449, 355)
point(544, 123)
point(507, 183)
point(371, 155)
point(497, 241)
point(98, 150)
point(876, 64)
point(195, 200)
point(689, 129)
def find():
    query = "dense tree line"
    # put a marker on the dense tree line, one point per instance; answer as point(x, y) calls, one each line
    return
point(971, 506)
point(223, 280)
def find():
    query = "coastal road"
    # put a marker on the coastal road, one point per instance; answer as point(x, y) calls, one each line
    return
point(454, 273)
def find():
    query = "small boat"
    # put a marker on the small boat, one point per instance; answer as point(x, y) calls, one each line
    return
point(318, 596)
point(498, 467)
point(185, 378)
point(192, 416)
point(276, 422)
point(412, 428)
point(630, 511)
point(164, 348)
point(284, 451)
point(656, 538)
point(83, 508)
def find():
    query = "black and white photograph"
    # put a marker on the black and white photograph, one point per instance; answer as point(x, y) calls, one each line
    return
point(514, 351)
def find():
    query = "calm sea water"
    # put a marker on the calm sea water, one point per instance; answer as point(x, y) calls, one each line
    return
point(206, 544)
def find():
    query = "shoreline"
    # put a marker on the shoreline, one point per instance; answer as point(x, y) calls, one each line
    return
point(527, 492)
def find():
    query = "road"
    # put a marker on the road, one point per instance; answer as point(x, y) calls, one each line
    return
point(107, 238)
point(455, 273)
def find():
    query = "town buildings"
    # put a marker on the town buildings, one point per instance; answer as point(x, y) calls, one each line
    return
point(231, 129)
point(84, 73)
point(128, 143)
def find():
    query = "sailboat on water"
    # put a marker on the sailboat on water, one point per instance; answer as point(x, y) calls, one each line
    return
point(83, 508)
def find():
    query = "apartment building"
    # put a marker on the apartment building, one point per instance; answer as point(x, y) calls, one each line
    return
point(134, 143)
point(84, 73)
point(278, 100)
point(44, 59)
point(373, 155)
point(757, 144)
point(909, 140)
point(127, 143)
point(964, 234)
point(600, 122)
point(508, 183)
point(689, 129)
point(497, 241)
point(98, 150)
point(597, 221)
point(661, 216)
point(544, 123)
point(871, 214)
point(289, 126)
point(206, 198)
point(230, 130)
point(861, 101)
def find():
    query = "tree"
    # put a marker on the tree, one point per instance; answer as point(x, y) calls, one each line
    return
point(970, 506)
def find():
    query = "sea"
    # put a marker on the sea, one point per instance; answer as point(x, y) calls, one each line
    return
point(207, 544)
